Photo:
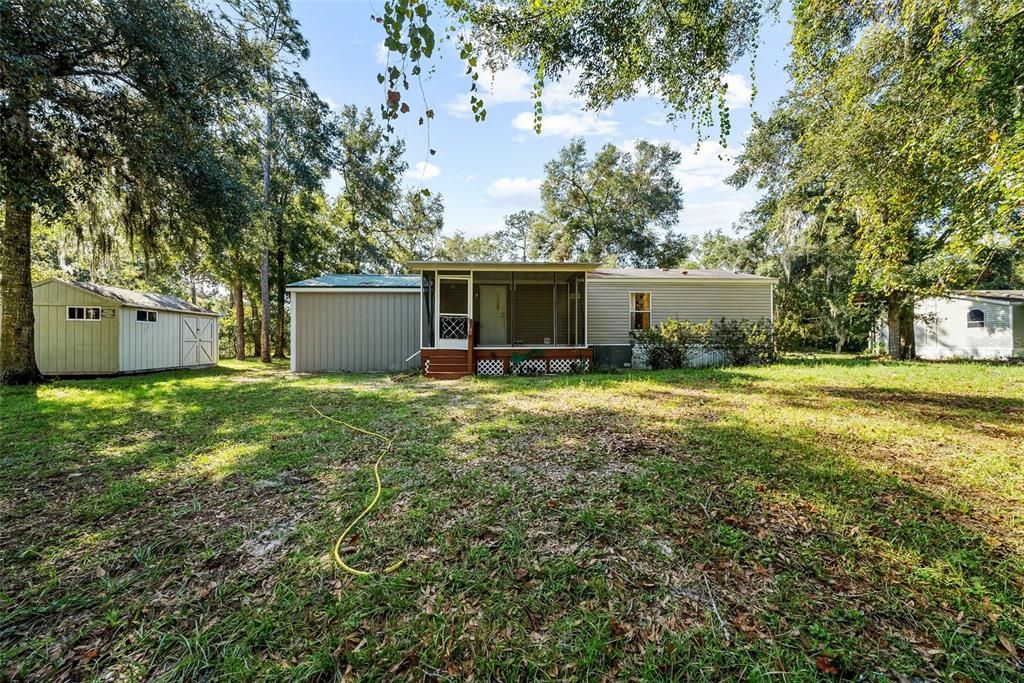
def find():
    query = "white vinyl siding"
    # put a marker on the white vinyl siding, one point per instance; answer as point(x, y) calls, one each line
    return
point(941, 329)
point(1018, 331)
point(609, 304)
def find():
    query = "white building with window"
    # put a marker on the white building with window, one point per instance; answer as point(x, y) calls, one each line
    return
point(982, 324)
point(83, 328)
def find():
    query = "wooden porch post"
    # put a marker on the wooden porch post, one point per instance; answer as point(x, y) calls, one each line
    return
point(469, 345)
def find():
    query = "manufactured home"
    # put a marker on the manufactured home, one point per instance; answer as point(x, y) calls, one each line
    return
point(457, 318)
point(982, 324)
point(83, 328)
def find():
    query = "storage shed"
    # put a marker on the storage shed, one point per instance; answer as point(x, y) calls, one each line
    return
point(83, 328)
point(355, 323)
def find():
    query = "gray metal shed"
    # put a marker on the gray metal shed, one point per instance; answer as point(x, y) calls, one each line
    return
point(355, 323)
point(83, 328)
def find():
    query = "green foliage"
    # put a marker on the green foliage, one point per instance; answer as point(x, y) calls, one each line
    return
point(378, 225)
point(619, 207)
point(889, 168)
point(674, 343)
point(458, 247)
point(620, 50)
point(744, 342)
point(126, 97)
point(682, 344)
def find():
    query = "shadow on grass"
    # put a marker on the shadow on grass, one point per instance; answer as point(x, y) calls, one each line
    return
point(534, 528)
point(855, 555)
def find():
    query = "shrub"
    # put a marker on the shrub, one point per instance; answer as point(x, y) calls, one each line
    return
point(744, 342)
point(673, 343)
point(679, 343)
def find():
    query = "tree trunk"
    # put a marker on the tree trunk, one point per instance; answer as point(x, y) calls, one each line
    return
point(264, 334)
point(257, 346)
point(908, 347)
point(239, 295)
point(265, 253)
point(17, 321)
point(895, 310)
point(279, 322)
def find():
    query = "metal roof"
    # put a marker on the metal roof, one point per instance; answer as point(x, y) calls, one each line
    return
point(129, 297)
point(673, 274)
point(501, 265)
point(1011, 295)
point(359, 281)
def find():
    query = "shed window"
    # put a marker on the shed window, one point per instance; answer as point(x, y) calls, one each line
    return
point(145, 316)
point(83, 312)
point(639, 310)
point(975, 318)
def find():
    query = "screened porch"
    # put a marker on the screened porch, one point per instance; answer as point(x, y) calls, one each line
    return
point(503, 309)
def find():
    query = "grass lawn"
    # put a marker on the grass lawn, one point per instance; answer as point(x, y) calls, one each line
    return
point(830, 518)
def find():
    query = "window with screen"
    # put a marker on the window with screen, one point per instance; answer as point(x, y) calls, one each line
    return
point(83, 312)
point(639, 310)
point(975, 318)
point(145, 316)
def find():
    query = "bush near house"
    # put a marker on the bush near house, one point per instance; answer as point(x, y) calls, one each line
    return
point(682, 344)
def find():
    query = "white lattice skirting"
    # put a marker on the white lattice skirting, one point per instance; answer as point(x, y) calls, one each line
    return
point(490, 366)
point(530, 366)
point(564, 365)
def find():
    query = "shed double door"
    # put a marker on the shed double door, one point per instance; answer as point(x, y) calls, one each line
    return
point(198, 340)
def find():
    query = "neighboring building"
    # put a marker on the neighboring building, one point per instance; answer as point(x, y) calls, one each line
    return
point(982, 324)
point(88, 329)
point(495, 318)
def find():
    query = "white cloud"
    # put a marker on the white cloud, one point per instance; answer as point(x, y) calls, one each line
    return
point(332, 105)
point(703, 166)
point(738, 91)
point(515, 86)
point(569, 124)
point(423, 170)
point(713, 215)
point(381, 55)
point(515, 191)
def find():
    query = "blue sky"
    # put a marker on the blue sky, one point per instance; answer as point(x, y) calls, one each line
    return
point(490, 169)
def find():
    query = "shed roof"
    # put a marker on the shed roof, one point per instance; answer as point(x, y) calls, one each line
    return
point(359, 281)
point(544, 266)
point(1010, 295)
point(130, 297)
point(674, 274)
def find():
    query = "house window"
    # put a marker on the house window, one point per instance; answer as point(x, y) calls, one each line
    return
point(975, 318)
point(83, 312)
point(145, 316)
point(639, 310)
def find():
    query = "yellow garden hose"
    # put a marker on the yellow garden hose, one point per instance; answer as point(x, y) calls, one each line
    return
point(388, 442)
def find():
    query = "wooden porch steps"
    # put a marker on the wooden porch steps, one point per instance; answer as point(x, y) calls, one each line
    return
point(445, 363)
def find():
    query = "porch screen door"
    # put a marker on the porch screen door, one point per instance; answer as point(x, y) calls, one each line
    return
point(452, 312)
